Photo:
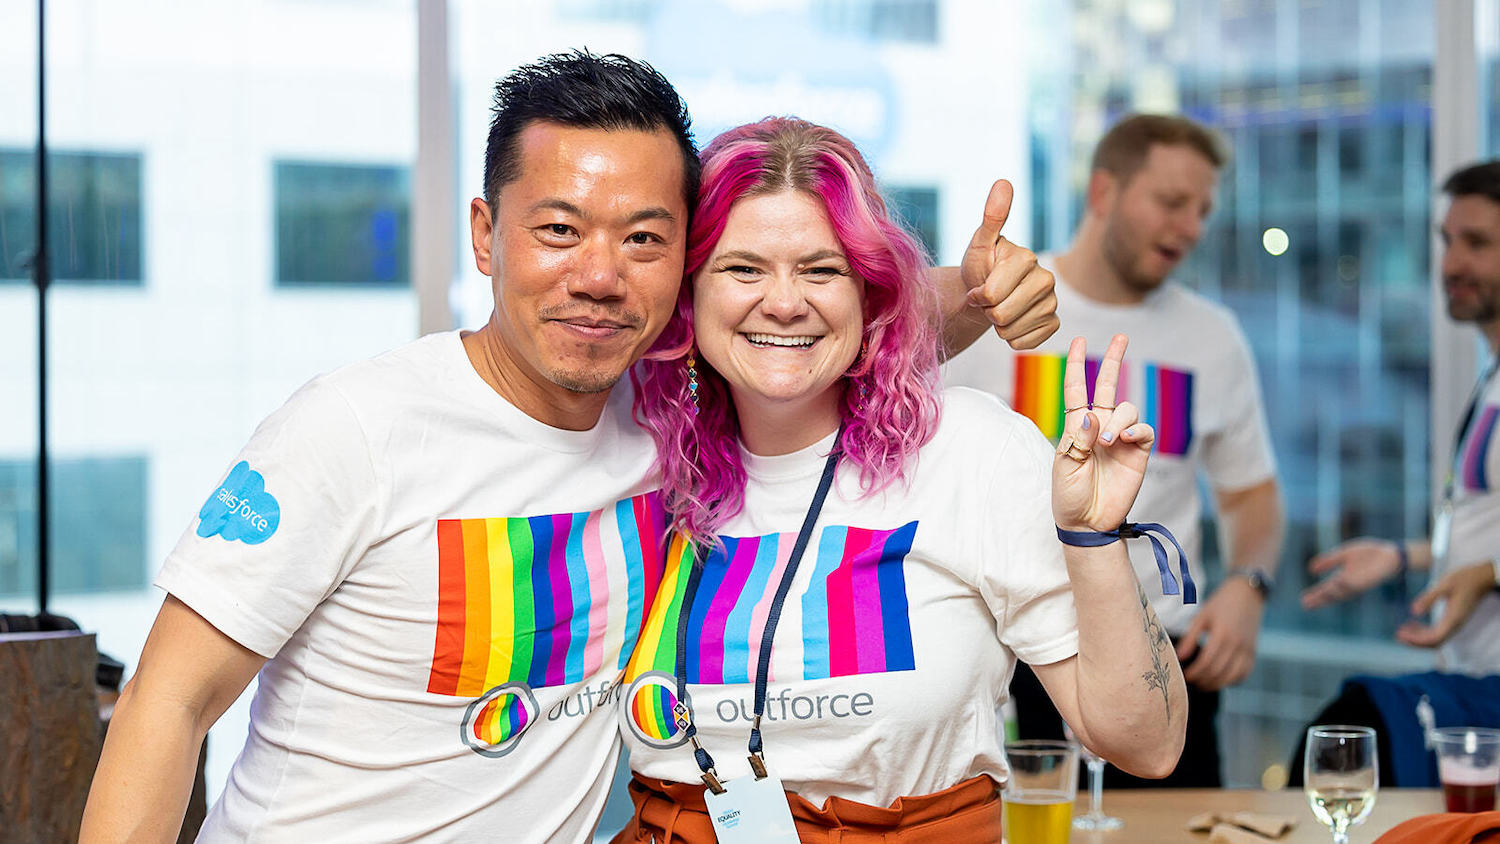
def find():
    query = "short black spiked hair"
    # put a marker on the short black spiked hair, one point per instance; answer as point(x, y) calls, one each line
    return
point(585, 91)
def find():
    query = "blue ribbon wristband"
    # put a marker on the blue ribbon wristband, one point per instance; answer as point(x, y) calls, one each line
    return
point(1128, 530)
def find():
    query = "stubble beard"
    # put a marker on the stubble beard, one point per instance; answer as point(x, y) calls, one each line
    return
point(1486, 308)
point(605, 371)
point(1125, 258)
point(585, 382)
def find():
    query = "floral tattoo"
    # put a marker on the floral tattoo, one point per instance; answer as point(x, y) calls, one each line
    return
point(1159, 674)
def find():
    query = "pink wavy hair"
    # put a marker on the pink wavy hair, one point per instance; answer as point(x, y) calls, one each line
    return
point(892, 409)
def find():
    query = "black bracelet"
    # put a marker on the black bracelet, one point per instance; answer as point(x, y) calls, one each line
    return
point(1403, 559)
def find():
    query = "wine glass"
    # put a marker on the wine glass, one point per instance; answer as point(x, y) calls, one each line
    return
point(1095, 819)
point(1341, 773)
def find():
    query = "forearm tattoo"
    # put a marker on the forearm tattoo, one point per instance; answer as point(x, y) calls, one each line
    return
point(1159, 674)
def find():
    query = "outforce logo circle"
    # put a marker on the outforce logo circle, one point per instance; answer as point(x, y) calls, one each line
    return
point(494, 724)
point(648, 710)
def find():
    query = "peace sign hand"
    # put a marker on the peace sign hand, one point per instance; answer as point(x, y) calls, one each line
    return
point(1101, 457)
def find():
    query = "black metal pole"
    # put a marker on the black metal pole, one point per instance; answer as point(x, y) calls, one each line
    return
point(42, 270)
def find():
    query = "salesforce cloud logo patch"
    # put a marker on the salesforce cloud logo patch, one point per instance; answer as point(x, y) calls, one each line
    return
point(240, 509)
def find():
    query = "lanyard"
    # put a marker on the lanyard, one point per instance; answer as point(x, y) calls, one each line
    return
point(683, 715)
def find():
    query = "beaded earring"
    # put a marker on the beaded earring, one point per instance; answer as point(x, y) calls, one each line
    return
point(692, 376)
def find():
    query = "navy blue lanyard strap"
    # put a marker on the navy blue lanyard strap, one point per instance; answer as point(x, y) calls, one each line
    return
point(680, 712)
point(683, 715)
point(1129, 530)
point(763, 667)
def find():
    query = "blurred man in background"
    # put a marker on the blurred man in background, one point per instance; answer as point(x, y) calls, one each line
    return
point(1190, 370)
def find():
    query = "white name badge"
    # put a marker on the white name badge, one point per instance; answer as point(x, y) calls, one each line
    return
point(752, 811)
point(1442, 531)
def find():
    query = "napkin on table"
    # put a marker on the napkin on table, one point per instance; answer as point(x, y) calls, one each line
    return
point(1259, 826)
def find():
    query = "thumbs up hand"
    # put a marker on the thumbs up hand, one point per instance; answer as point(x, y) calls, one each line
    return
point(1004, 281)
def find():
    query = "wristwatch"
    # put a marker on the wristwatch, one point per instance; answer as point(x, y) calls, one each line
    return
point(1258, 579)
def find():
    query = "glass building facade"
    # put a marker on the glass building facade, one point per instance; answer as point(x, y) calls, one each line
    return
point(1319, 243)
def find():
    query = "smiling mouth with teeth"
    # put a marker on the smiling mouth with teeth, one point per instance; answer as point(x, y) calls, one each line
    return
point(778, 340)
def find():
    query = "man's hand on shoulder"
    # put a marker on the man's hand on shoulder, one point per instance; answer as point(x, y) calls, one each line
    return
point(1004, 280)
point(998, 284)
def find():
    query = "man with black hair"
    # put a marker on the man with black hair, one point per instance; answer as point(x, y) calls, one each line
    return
point(437, 561)
point(1463, 553)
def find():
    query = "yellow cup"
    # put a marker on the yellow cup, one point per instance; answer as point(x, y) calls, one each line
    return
point(1040, 790)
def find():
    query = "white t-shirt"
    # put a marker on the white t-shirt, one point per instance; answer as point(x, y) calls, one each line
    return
point(447, 590)
point(1474, 534)
point(1190, 372)
point(899, 634)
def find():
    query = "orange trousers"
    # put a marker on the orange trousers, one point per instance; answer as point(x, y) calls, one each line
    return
point(968, 813)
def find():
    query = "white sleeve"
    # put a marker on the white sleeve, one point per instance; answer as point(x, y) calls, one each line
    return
point(1238, 456)
point(285, 525)
point(1023, 576)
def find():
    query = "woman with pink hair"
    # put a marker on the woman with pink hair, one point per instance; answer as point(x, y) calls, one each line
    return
point(859, 558)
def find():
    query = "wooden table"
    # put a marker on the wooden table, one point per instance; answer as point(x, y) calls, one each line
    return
point(1158, 816)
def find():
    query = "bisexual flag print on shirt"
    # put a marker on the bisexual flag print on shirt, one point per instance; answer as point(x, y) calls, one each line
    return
point(1473, 460)
point(1164, 397)
point(854, 617)
point(530, 602)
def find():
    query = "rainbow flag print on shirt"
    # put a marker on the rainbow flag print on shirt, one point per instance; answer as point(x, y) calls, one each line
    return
point(854, 614)
point(1476, 450)
point(541, 600)
point(1165, 400)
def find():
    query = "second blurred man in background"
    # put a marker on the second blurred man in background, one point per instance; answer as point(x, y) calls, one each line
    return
point(1464, 551)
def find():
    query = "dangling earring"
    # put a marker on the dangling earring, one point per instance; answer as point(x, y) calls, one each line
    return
point(859, 383)
point(692, 376)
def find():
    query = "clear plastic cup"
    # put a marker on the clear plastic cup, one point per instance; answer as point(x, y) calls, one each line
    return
point(1040, 791)
point(1469, 767)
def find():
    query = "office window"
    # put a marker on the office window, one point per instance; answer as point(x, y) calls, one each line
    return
point(94, 216)
point(610, 10)
point(887, 20)
point(918, 208)
point(342, 225)
point(98, 525)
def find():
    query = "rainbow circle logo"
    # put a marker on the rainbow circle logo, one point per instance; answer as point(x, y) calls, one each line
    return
point(648, 710)
point(494, 723)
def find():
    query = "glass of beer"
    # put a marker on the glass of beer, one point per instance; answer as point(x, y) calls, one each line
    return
point(1341, 776)
point(1469, 767)
point(1040, 790)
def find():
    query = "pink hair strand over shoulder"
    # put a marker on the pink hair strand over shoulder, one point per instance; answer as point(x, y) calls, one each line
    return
point(890, 406)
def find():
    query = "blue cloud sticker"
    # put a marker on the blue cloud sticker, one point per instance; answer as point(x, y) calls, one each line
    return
point(240, 509)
